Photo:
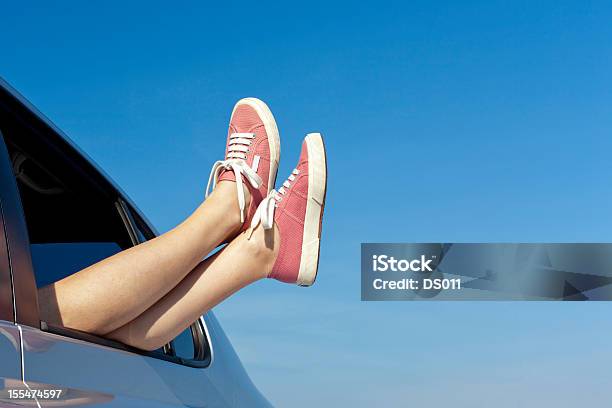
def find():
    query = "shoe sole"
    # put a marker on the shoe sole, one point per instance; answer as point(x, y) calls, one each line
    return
point(271, 130)
point(317, 188)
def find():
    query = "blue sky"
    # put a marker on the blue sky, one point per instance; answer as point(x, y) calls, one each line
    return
point(444, 122)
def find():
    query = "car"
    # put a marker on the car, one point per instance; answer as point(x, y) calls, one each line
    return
point(59, 212)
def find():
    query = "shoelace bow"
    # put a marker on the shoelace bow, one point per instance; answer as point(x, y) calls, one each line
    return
point(237, 149)
point(265, 211)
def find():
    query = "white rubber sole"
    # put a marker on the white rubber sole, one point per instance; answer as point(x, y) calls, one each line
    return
point(272, 131)
point(317, 185)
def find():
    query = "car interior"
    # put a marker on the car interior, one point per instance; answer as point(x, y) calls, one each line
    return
point(71, 223)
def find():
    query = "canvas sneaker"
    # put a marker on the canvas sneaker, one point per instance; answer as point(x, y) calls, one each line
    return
point(252, 154)
point(297, 210)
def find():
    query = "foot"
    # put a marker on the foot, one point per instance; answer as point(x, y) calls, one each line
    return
point(297, 211)
point(252, 154)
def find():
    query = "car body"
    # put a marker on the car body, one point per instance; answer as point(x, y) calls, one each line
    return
point(51, 196)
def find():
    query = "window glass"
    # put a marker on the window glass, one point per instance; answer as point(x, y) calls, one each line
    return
point(183, 345)
point(71, 222)
point(54, 261)
point(139, 234)
point(142, 231)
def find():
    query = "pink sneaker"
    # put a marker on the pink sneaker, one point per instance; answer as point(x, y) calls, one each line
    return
point(251, 155)
point(297, 210)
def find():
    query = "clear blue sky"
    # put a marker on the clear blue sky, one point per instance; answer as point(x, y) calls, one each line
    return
point(448, 121)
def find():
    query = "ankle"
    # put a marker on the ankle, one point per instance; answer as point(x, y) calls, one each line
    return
point(227, 189)
point(227, 195)
point(262, 245)
point(219, 211)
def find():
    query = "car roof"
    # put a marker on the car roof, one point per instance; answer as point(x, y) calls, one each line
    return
point(68, 144)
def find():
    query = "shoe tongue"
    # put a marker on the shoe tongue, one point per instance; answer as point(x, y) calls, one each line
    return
point(227, 175)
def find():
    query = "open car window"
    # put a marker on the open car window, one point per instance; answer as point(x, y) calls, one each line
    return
point(71, 223)
point(75, 218)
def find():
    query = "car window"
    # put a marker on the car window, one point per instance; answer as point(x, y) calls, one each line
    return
point(183, 345)
point(71, 223)
point(54, 261)
point(143, 232)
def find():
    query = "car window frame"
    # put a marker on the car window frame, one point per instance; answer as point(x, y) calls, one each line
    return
point(7, 308)
point(23, 291)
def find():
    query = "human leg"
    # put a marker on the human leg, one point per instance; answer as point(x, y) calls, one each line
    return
point(283, 245)
point(112, 292)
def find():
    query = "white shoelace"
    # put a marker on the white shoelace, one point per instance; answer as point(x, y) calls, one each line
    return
point(265, 211)
point(238, 147)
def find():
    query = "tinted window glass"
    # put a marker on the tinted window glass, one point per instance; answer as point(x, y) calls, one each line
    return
point(54, 261)
point(143, 233)
point(183, 345)
point(72, 223)
point(139, 234)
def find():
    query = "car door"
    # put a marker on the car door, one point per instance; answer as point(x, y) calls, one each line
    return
point(65, 217)
point(10, 340)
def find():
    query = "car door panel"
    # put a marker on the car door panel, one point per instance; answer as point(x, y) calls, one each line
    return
point(111, 376)
point(10, 360)
point(226, 371)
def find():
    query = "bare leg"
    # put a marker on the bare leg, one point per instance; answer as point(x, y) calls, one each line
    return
point(114, 291)
point(242, 262)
